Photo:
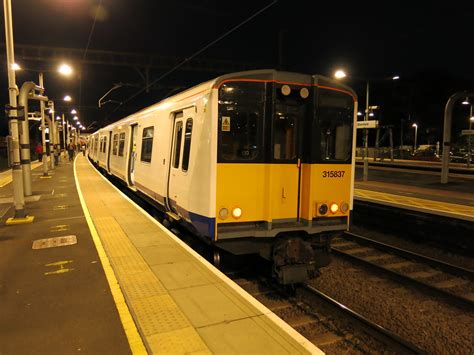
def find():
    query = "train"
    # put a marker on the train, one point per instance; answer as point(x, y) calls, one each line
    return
point(255, 162)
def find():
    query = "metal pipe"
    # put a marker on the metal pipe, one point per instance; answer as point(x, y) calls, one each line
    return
point(18, 197)
point(448, 111)
point(25, 155)
point(43, 130)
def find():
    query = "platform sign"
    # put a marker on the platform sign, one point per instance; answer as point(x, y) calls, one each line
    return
point(367, 124)
point(225, 124)
point(467, 132)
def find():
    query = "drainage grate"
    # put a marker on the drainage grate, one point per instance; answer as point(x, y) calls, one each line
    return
point(54, 242)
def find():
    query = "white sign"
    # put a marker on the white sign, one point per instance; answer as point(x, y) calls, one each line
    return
point(367, 124)
point(467, 132)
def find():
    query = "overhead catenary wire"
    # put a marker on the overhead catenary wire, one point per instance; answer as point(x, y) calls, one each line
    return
point(195, 54)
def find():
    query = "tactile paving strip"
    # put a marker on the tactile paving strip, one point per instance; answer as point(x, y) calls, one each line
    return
point(161, 321)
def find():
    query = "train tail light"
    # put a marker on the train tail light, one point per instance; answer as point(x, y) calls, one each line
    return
point(334, 208)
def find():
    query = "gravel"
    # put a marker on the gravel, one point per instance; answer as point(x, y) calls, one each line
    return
point(427, 322)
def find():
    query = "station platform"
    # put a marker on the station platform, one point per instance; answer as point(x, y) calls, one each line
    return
point(419, 191)
point(124, 284)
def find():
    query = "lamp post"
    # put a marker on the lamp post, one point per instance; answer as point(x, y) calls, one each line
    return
point(416, 135)
point(471, 119)
point(340, 74)
point(18, 192)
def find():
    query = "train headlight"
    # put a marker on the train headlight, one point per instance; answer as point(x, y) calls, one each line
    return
point(334, 208)
point(285, 90)
point(223, 213)
point(323, 209)
point(236, 212)
point(344, 207)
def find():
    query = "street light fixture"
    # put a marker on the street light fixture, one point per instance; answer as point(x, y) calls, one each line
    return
point(75, 118)
point(67, 98)
point(16, 67)
point(65, 69)
point(466, 101)
point(339, 74)
point(73, 111)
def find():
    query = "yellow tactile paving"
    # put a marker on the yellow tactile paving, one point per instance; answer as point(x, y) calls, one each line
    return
point(157, 314)
point(462, 211)
point(177, 341)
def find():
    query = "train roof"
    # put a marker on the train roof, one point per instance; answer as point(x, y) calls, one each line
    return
point(261, 74)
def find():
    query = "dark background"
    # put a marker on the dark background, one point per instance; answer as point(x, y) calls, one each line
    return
point(429, 46)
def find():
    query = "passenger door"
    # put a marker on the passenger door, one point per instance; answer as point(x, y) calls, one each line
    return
point(178, 181)
point(132, 156)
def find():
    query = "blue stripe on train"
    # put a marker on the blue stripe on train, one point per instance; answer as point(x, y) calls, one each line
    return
point(204, 225)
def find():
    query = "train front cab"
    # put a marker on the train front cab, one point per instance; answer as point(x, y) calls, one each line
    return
point(285, 168)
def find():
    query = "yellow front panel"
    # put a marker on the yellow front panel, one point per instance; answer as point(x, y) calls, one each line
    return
point(328, 183)
point(264, 192)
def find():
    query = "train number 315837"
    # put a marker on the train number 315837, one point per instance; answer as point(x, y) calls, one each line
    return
point(333, 174)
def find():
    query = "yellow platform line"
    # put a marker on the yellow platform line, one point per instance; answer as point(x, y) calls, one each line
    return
point(417, 202)
point(134, 339)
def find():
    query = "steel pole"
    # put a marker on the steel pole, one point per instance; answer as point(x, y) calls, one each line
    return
point(18, 197)
point(64, 137)
point(44, 158)
point(416, 136)
point(469, 139)
point(366, 138)
point(25, 154)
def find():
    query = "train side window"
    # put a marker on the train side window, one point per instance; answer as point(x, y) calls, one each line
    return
point(105, 144)
point(121, 144)
point(187, 144)
point(147, 144)
point(115, 144)
point(177, 143)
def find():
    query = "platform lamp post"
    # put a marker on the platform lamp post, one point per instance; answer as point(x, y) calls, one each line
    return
point(20, 215)
point(414, 125)
point(340, 74)
point(471, 120)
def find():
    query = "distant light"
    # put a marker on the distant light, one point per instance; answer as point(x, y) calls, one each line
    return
point(65, 69)
point(359, 113)
point(58, 118)
point(78, 123)
point(16, 67)
point(75, 118)
point(371, 114)
point(67, 98)
point(414, 125)
point(466, 101)
point(396, 77)
point(73, 111)
point(51, 110)
point(472, 119)
point(339, 74)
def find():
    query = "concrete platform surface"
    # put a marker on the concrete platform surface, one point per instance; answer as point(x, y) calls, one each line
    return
point(180, 302)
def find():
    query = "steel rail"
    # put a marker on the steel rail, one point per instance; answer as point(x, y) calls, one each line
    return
point(402, 345)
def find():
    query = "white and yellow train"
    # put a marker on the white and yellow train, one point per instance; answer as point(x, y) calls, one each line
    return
point(253, 162)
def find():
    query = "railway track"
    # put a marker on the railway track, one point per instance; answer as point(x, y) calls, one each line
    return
point(453, 283)
point(327, 323)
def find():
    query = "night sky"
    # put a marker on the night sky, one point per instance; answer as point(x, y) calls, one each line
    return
point(428, 45)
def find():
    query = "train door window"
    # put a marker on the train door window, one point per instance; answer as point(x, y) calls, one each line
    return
point(115, 144)
point(177, 143)
point(121, 145)
point(147, 144)
point(187, 144)
point(241, 116)
point(288, 118)
point(96, 144)
point(335, 112)
point(105, 144)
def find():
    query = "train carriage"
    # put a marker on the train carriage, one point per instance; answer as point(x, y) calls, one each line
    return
point(254, 162)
